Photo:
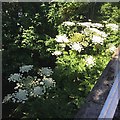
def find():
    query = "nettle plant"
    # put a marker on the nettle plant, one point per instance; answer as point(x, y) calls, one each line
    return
point(28, 85)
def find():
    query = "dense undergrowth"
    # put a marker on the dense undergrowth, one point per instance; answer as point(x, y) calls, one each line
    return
point(53, 54)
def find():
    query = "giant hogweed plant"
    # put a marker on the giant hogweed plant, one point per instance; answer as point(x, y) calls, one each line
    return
point(30, 84)
point(82, 50)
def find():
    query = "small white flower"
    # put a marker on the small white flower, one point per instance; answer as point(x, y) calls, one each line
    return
point(46, 71)
point(49, 82)
point(41, 83)
point(15, 77)
point(77, 46)
point(19, 85)
point(113, 27)
point(21, 95)
point(57, 53)
point(68, 23)
point(97, 39)
point(26, 68)
point(38, 91)
point(62, 38)
point(90, 61)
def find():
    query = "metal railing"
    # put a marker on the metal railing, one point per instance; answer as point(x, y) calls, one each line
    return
point(112, 100)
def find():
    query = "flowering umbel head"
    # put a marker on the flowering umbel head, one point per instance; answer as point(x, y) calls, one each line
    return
point(90, 61)
point(77, 46)
point(26, 68)
point(16, 77)
point(28, 86)
point(62, 38)
point(97, 40)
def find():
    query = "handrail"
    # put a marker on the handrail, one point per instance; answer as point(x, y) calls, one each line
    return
point(112, 100)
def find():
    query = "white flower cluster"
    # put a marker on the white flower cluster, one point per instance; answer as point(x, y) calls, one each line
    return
point(57, 53)
point(97, 25)
point(84, 24)
point(97, 39)
point(68, 23)
point(113, 27)
point(49, 82)
point(99, 36)
point(30, 86)
point(62, 38)
point(46, 71)
point(38, 91)
point(90, 61)
point(18, 85)
point(90, 24)
point(26, 68)
point(20, 96)
point(44, 84)
point(16, 77)
point(100, 33)
point(77, 46)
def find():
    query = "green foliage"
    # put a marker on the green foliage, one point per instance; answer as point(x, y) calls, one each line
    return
point(110, 12)
point(29, 37)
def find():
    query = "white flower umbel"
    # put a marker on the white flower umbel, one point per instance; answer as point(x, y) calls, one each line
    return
point(62, 38)
point(15, 77)
point(49, 82)
point(57, 53)
point(90, 61)
point(85, 24)
point(97, 25)
point(20, 96)
point(7, 98)
point(38, 91)
point(26, 68)
point(100, 33)
point(77, 46)
point(97, 40)
point(46, 71)
point(113, 27)
point(68, 23)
